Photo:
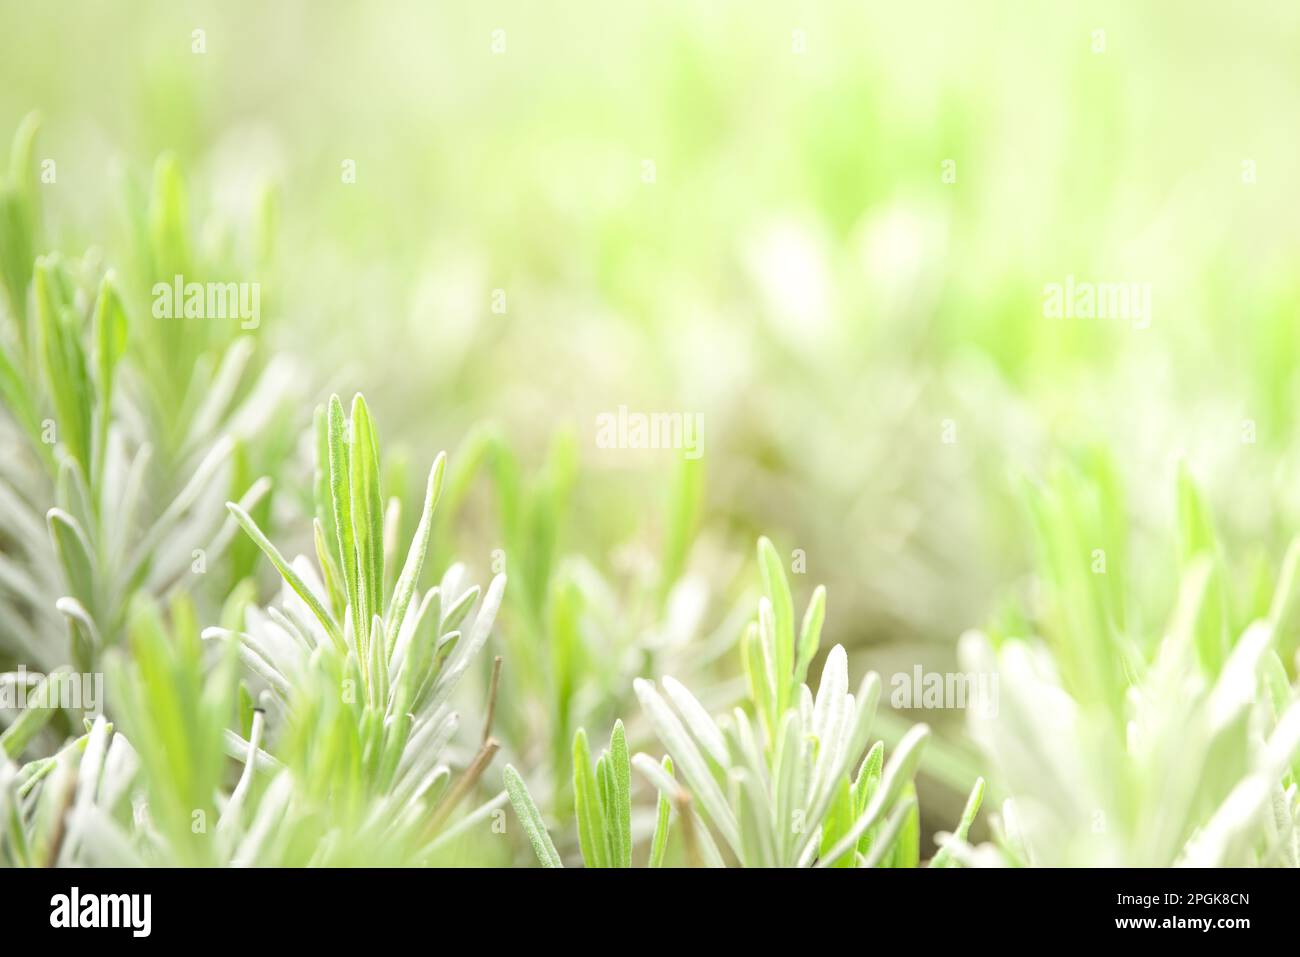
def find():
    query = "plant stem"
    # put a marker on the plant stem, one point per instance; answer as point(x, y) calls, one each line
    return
point(463, 786)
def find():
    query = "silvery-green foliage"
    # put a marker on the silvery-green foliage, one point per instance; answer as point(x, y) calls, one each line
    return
point(148, 796)
point(1202, 773)
point(356, 661)
point(798, 786)
point(1185, 752)
point(74, 784)
point(602, 794)
point(90, 512)
point(348, 762)
point(156, 789)
point(574, 633)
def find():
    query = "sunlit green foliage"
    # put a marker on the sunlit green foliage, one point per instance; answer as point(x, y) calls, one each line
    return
point(829, 235)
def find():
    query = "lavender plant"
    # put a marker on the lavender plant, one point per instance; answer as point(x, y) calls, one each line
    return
point(358, 668)
point(602, 808)
point(1116, 744)
point(577, 635)
point(779, 794)
point(88, 512)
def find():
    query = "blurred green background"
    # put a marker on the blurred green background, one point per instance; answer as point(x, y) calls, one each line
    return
point(742, 211)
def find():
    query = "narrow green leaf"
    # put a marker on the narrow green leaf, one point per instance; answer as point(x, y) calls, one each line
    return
point(410, 576)
point(531, 819)
point(768, 641)
point(697, 719)
point(868, 777)
point(454, 615)
point(76, 556)
point(110, 344)
point(751, 656)
point(684, 499)
point(329, 569)
point(65, 362)
point(32, 718)
point(686, 754)
point(321, 494)
point(944, 856)
point(777, 590)
point(19, 219)
point(605, 783)
point(621, 776)
point(17, 398)
point(755, 825)
point(367, 510)
point(839, 818)
point(663, 819)
point(787, 766)
point(864, 789)
point(810, 634)
point(288, 574)
point(1197, 538)
point(906, 852)
point(341, 493)
point(587, 806)
point(889, 834)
